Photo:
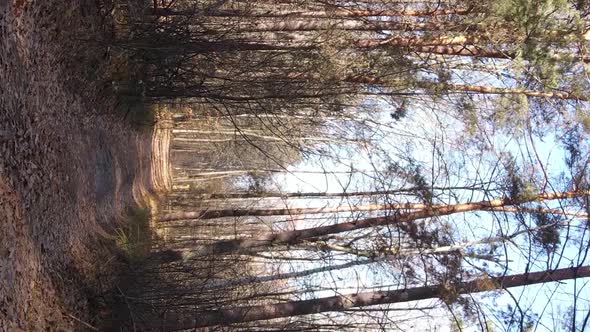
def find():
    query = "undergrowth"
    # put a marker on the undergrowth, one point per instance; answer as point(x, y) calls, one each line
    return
point(134, 236)
point(126, 72)
point(128, 86)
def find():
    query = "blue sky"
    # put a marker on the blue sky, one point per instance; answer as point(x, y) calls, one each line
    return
point(423, 133)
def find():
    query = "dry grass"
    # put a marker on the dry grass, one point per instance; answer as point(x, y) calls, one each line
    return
point(134, 236)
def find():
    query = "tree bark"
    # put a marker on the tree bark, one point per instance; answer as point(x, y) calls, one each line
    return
point(480, 89)
point(314, 234)
point(418, 41)
point(342, 302)
point(480, 52)
point(464, 50)
point(338, 13)
point(349, 25)
point(372, 257)
point(237, 195)
point(221, 213)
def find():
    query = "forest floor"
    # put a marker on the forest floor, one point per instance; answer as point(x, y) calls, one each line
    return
point(69, 167)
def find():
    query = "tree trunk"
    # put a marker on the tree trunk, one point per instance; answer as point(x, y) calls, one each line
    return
point(348, 25)
point(338, 13)
point(314, 234)
point(372, 257)
point(221, 213)
point(342, 302)
point(417, 41)
point(479, 52)
point(197, 47)
point(247, 133)
point(464, 50)
point(450, 88)
point(319, 194)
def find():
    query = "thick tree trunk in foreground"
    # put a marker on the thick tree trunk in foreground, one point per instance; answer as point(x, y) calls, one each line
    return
point(343, 302)
point(315, 234)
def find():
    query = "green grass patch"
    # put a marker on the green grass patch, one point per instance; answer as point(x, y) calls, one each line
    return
point(134, 237)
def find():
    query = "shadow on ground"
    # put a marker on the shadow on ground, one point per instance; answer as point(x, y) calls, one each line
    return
point(69, 167)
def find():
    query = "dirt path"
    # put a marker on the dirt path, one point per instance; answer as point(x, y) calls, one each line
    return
point(68, 167)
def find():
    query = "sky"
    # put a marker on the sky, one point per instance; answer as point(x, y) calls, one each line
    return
point(416, 133)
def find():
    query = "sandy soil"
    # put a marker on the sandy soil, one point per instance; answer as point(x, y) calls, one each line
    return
point(68, 167)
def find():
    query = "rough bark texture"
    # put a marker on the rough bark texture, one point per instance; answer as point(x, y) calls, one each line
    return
point(342, 302)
